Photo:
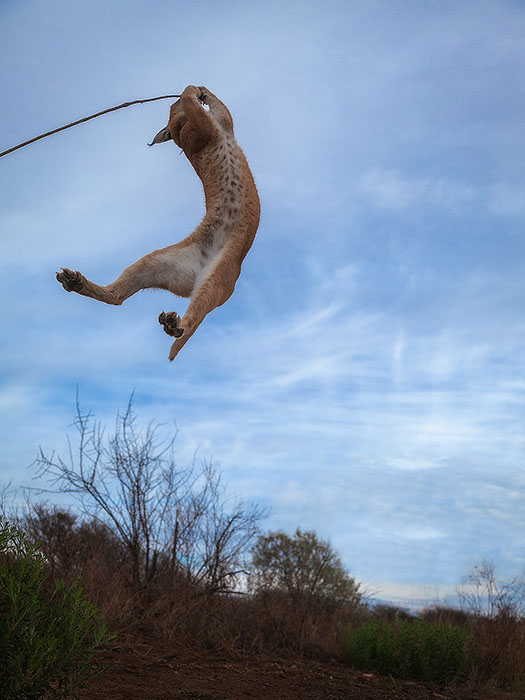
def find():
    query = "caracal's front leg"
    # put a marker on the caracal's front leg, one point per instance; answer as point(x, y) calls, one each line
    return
point(217, 108)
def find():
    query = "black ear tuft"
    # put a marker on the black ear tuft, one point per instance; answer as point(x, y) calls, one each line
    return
point(163, 135)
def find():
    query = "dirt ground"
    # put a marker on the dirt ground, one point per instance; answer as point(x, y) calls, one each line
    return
point(141, 672)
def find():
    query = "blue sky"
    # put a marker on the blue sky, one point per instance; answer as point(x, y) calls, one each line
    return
point(367, 378)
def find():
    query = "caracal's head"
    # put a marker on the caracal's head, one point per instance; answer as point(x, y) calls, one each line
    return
point(175, 123)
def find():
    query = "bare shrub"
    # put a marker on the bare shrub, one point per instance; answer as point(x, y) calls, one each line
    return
point(484, 594)
point(69, 545)
point(496, 612)
point(171, 521)
point(498, 651)
point(88, 550)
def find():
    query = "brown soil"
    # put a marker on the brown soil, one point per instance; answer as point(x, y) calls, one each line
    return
point(142, 672)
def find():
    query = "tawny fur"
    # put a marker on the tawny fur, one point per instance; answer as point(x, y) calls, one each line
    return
point(206, 265)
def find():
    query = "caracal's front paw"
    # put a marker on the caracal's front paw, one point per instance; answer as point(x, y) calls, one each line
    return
point(204, 94)
point(192, 90)
point(171, 323)
point(71, 280)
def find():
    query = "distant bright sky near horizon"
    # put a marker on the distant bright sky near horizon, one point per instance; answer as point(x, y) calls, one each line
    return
point(367, 378)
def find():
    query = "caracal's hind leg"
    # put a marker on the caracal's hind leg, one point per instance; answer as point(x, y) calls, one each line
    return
point(74, 281)
point(174, 268)
point(212, 292)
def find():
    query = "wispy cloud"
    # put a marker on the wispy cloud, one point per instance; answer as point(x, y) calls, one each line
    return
point(390, 189)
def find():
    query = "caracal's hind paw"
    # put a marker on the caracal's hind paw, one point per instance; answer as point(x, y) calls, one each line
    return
point(71, 280)
point(171, 323)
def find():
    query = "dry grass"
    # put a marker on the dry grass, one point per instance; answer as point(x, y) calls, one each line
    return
point(174, 609)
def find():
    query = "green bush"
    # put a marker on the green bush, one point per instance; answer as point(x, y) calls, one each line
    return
point(408, 649)
point(49, 632)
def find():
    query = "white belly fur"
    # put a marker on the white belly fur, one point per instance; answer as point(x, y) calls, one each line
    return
point(228, 211)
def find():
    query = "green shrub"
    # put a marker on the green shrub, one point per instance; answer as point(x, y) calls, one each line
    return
point(49, 632)
point(418, 650)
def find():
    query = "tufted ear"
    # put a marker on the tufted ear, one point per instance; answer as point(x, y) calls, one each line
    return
point(163, 135)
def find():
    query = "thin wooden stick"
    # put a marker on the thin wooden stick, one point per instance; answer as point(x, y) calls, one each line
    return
point(85, 119)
